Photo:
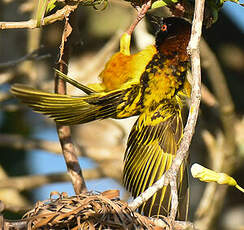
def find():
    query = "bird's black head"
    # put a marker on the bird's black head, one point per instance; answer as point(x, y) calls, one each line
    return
point(172, 30)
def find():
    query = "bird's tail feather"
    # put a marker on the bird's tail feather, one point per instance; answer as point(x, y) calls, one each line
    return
point(69, 110)
point(75, 83)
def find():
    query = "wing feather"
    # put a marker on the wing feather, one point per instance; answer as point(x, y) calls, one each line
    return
point(149, 154)
point(70, 110)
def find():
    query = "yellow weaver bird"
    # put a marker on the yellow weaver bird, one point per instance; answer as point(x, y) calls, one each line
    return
point(152, 84)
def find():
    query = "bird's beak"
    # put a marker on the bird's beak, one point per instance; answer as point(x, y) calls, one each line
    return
point(156, 20)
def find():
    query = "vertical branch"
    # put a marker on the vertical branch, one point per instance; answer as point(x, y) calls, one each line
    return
point(140, 15)
point(194, 51)
point(64, 132)
point(182, 153)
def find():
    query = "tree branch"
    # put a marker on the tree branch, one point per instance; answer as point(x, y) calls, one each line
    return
point(64, 132)
point(31, 56)
point(59, 15)
point(20, 142)
point(22, 183)
point(109, 160)
point(140, 15)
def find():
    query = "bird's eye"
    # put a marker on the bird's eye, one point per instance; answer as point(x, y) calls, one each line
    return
point(164, 28)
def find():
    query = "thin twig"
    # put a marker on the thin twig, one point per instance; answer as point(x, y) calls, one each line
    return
point(194, 51)
point(15, 141)
point(31, 56)
point(207, 97)
point(59, 15)
point(20, 142)
point(9, 224)
point(64, 132)
point(182, 153)
point(22, 183)
point(109, 161)
point(140, 15)
point(178, 225)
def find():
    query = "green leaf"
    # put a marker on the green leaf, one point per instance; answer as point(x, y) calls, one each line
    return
point(161, 3)
point(40, 12)
point(51, 5)
point(158, 4)
point(236, 1)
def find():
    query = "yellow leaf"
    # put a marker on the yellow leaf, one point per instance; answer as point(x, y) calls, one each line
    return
point(208, 175)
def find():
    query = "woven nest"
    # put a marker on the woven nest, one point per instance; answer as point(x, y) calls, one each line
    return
point(86, 211)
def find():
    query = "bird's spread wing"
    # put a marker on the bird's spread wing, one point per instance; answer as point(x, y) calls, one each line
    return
point(151, 148)
point(69, 110)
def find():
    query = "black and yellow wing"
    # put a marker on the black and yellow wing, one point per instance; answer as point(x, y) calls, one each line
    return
point(151, 148)
point(70, 110)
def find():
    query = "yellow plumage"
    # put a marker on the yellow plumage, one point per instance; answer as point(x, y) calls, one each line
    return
point(127, 70)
